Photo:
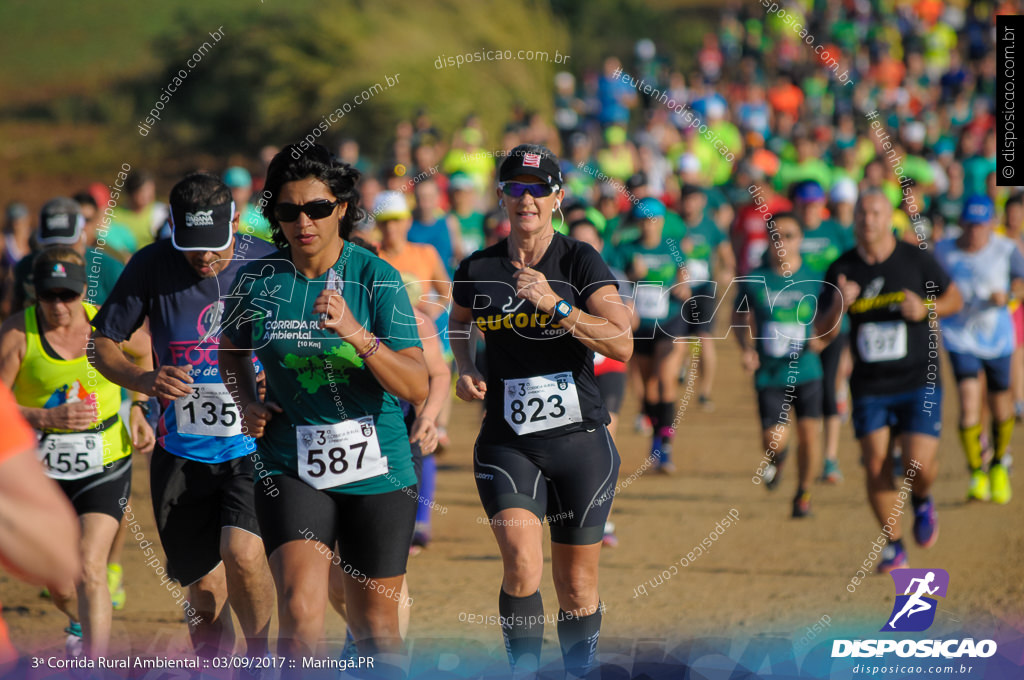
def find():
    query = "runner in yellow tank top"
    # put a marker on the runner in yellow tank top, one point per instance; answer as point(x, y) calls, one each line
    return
point(84, 445)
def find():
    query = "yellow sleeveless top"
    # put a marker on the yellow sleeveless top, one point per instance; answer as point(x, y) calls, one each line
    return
point(44, 381)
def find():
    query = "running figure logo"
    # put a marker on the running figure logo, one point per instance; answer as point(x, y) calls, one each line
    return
point(914, 610)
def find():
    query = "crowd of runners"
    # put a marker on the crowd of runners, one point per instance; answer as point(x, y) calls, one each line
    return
point(284, 342)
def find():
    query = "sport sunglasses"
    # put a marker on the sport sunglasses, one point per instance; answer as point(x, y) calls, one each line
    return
point(62, 295)
point(316, 210)
point(517, 189)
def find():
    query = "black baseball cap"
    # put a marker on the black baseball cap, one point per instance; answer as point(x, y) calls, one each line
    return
point(60, 222)
point(202, 228)
point(689, 190)
point(59, 276)
point(531, 160)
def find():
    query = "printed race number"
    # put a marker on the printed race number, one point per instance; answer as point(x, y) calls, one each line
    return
point(699, 271)
point(339, 453)
point(209, 411)
point(541, 403)
point(882, 341)
point(780, 338)
point(651, 301)
point(73, 455)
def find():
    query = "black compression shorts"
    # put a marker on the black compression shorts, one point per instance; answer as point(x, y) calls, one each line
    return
point(102, 492)
point(570, 479)
point(372, 532)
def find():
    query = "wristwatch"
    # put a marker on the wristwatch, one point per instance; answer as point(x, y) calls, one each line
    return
point(561, 311)
point(144, 405)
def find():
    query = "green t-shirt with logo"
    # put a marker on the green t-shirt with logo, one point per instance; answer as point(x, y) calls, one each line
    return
point(653, 301)
point(700, 244)
point(822, 246)
point(783, 309)
point(471, 230)
point(316, 377)
point(622, 229)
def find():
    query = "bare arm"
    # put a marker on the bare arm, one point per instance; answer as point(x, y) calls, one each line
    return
point(139, 349)
point(826, 324)
point(424, 428)
point(12, 348)
point(950, 302)
point(238, 373)
point(402, 373)
point(168, 382)
point(607, 328)
point(726, 264)
point(471, 384)
point(39, 536)
point(751, 361)
point(438, 374)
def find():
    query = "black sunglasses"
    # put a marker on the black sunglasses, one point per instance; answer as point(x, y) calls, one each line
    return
point(62, 295)
point(517, 189)
point(316, 210)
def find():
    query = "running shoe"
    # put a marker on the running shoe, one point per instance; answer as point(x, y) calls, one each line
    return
point(1000, 481)
point(665, 465)
point(706, 404)
point(349, 652)
point(420, 539)
point(770, 475)
point(115, 582)
point(802, 505)
point(831, 473)
point(609, 540)
point(926, 523)
point(73, 647)
point(979, 488)
point(642, 425)
point(893, 557)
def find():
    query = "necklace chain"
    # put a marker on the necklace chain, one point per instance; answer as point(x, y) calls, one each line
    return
point(529, 265)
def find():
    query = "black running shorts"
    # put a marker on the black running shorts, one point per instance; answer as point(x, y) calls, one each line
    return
point(569, 479)
point(102, 492)
point(778, 405)
point(193, 502)
point(373, 532)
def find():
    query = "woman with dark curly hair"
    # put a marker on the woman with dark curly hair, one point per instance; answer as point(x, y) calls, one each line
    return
point(334, 329)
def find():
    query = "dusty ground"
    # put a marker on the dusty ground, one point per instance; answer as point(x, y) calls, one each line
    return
point(768, 574)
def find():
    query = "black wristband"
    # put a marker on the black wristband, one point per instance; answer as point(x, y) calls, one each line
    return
point(144, 405)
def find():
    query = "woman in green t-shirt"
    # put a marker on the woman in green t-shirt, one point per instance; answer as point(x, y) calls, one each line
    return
point(332, 326)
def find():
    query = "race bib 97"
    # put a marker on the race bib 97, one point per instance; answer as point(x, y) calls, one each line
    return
point(541, 403)
point(209, 411)
point(339, 453)
point(882, 341)
point(71, 456)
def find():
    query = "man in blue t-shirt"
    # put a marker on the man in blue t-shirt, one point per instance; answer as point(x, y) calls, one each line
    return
point(201, 473)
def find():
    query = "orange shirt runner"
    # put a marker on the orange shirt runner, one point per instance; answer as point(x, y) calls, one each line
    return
point(15, 437)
